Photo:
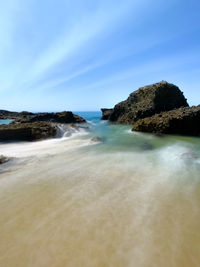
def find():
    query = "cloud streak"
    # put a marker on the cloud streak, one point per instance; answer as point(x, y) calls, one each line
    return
point(49, 47)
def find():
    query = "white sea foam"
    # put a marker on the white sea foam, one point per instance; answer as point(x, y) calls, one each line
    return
point(67, 138)
point(129, 131)
point(90, 206)
point(92, 123)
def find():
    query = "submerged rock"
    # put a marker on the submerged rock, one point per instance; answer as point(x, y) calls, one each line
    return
point(147, 101)
point(27, 131)
point(184, 121)
point(3, 159)
point(146, 146)
point(96, 139)
point(106, 113)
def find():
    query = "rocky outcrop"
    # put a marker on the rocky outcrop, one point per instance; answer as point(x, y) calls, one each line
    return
point(147, 101)
point(27, 131)
point(29, 126)
point(28, 117)
point(3, 159)
point(106, 113)
point(59, 117)
point(184, 121)
point(5, 114)
point(96, 139)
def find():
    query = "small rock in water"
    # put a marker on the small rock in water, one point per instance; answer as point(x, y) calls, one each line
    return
point(3, 159)
point(158, 135)
point(96, 139)
point(147, 146)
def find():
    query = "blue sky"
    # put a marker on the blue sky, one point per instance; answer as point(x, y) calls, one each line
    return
point(82, 55)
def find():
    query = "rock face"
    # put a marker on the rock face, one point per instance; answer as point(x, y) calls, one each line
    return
point(147, 101)
point(106, 112)
point(185, 121)
point(27, 131)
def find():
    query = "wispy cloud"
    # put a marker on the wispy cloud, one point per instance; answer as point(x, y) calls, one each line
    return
point(68, 41)
point(49, 47)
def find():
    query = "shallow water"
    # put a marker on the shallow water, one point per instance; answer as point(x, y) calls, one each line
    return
point(5, 121)
point(131, 200)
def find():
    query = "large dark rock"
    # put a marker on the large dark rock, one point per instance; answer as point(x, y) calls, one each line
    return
point(147, 101)
point(59, 117)
point(28, 117)
point(3, 159)
point(29, 126)
point(5, 114)
point(183, 121)
point(106, 112)
point(27, 131)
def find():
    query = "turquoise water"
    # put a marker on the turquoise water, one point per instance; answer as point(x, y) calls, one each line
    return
point(130, 200)
point(5, 121)
point(93, 116)
point(121, 138)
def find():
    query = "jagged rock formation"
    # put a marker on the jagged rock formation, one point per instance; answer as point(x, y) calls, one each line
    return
point(106, 112)
point(185, 121)
point(147, 101)
point(27, 131)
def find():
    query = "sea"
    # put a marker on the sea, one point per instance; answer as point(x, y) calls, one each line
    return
point(101, 195)
point(5, 121)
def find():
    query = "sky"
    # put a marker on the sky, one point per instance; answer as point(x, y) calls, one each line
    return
point(83, 55)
